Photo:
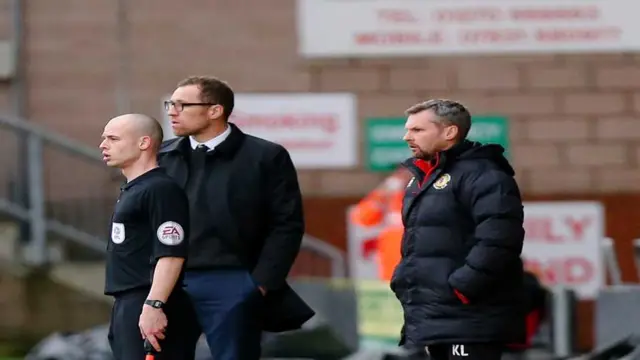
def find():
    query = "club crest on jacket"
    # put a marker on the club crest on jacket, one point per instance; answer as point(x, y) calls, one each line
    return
point(442, 182)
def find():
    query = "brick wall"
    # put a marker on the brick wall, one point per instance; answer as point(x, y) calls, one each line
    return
point(573, 118)
point(5, 34)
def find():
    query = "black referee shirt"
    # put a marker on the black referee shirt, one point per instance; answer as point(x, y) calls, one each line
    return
point(150, 221)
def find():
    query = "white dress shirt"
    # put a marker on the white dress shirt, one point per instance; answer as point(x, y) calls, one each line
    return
point(211, 143)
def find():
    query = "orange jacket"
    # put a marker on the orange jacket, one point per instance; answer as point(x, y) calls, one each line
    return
point(383, 207)
point(390, 238)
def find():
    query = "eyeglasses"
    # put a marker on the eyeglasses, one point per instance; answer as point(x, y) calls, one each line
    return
point(179, 106)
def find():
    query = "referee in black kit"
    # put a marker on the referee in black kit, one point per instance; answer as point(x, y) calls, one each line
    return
point(148, 247)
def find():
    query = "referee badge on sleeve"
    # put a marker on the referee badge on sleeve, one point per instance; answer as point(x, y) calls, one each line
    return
point(170, 233)
point(117, 233)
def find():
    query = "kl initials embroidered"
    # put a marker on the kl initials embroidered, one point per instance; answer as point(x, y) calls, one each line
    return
point(458, 350)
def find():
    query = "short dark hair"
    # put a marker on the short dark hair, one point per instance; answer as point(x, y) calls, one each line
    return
point(157, 134)
point(214, 91)
point(449, 112)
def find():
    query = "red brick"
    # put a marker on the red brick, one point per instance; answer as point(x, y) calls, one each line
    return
point(308, 181)
point(522, 104)
point(477, 77)
point(91, 178)
point(475, 102)
point(593, 104)
point(554, 77)
point(278, 78)
point(559, 180)
point(604, 58)
point(415, 79)
point(350, 79)
point(636, 103)
point(326, 63)
point(408, 62)
point(534, 156)
point(5, 19)
point(492, 60)
point(370, 105)
point(615, 179)
point(527, 58)
point(8, 164)
point(6, 101)
point(596, 154)
point(618, 128)
point(517, 128)
point(558, 129)
point(616, 77)
point(334, 183)
point(522, 179)
point(516, 104)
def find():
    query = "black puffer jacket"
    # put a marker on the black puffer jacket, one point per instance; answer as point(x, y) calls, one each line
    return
point(460, 278)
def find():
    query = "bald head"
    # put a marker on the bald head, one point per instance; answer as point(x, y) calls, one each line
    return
point(141, 125)
point(129, 139)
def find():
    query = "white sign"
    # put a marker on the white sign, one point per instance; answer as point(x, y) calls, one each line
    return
point(432, 27)
point(563, 244)
point(362, 250)
point(319, 130)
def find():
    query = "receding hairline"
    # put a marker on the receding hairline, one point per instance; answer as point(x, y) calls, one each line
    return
point(423, 106)
point(456, 113)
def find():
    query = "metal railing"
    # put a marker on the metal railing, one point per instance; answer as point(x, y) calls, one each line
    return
point(65, 193)
point(335, 256)
point(35, 204)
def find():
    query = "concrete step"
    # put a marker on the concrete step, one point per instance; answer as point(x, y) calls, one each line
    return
point(85, 277)
point(9, 237)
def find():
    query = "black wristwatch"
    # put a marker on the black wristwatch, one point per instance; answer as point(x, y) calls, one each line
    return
point(154, 303)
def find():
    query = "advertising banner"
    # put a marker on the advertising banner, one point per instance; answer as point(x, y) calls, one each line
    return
point(443, 27)
point(563, 246)
point(319, 130)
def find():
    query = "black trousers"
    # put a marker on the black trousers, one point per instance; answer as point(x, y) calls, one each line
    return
point(480, 351)
point(124, 334)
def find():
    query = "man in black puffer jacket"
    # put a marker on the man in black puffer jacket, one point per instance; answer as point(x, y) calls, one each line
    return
point(460, 277)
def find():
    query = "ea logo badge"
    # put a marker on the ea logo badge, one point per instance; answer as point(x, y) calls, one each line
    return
point(170, 233)
point(442, 182)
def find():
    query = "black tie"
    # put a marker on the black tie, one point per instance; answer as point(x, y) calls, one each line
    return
point(202, 148)
point(199, 156)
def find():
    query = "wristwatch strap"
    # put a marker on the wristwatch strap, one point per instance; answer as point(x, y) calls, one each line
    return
point(154, 303)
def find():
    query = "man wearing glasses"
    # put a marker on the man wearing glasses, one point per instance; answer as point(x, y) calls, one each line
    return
point(246, 221)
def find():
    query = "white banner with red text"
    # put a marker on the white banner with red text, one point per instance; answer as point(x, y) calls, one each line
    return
point(562, 246)
point(343, 28)
point(318, 129)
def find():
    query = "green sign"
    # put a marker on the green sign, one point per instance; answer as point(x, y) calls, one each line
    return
point(385, 148)
point(490, 129)
point(379, 315)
